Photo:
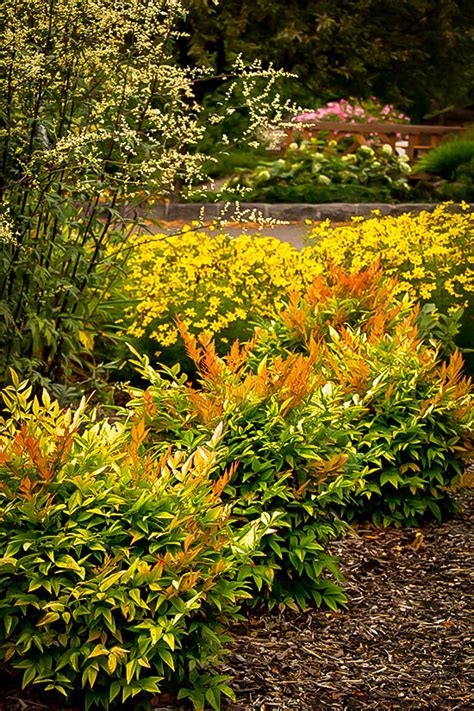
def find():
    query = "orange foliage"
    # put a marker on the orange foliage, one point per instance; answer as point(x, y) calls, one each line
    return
point(369, 287)
point(41, 467)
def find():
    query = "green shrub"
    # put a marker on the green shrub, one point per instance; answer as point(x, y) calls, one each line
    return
point(447, 159)
point(363, 340)
point(117, 568)
point(307, 192)
point(318, 171)
point(411, 413)
point(284, 449)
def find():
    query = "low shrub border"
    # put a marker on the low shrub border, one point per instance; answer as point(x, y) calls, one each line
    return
point(118, 568)
point(337, 405)
point(119, 562)
point(412, 418)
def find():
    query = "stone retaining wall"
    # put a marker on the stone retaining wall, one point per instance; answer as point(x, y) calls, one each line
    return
point(290, 212)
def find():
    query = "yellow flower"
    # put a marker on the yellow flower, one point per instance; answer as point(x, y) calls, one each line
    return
point(212, 280)
point(425, 291)
point(422, 249)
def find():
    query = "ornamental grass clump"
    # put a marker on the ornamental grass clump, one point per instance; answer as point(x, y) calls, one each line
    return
point(449, 159)
point(288, 452)
point(451, 165)
point(118, 567)
point(409, 416)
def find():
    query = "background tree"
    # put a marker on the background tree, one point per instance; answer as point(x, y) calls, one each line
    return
point(416, 53)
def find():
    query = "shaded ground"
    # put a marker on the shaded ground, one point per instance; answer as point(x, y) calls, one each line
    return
point(406, 641)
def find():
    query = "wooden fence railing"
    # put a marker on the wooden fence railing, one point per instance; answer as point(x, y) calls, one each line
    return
point(419, 138)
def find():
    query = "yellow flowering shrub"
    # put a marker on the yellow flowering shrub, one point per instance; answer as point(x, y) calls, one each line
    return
point(213, 282)
point(220, 284)
point(430, 253)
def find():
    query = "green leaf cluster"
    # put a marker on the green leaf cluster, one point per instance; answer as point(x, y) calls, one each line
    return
point(278, 449)
point(408, 414)
point(316, 170)
point(118, 567)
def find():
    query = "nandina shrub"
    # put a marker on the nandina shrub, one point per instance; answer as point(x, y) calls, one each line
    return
point(117, 567)
point(335, 298)
point(412, 413)
point(288, 453)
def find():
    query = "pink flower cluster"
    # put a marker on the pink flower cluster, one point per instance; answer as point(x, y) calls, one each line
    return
point(346, 111)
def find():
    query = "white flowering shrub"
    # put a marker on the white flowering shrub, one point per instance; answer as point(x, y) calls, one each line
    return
point(96, 116)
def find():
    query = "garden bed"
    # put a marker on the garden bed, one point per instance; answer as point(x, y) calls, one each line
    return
point(339, 408)
point(403, 643)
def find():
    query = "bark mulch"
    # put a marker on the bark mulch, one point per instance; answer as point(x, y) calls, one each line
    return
point(405, 641)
